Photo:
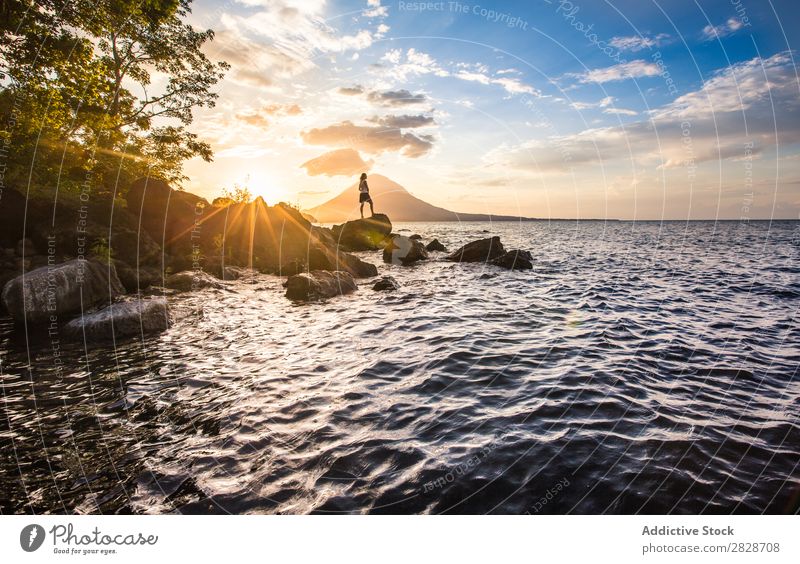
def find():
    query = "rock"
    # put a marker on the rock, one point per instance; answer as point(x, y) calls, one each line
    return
point(236, 272)
point(319, 284)
point(25, 247)
point(192, 280)
point(435, 245)
point(514, 260)
point(121, 319)
point(292, 267)
point(386, 283)
point(134, 246)
point(404, 250)
point(482, 250)
point(170, 216)
point(325, 258)
point(415, 236)
point(368, 234)
point(61, 290)
point(136, 279)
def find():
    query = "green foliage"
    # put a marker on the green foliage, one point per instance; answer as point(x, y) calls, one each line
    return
point(239, 194)
point(101, 251)
point(76, 92)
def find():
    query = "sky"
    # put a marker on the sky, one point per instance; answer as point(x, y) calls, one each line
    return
point(635, 109)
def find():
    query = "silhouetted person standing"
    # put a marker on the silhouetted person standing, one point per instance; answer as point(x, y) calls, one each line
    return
point(363, 195)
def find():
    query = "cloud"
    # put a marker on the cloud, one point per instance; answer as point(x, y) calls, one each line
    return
point(745, 109)
point(714, 31)
point(638, 42)
point(396, 98)
point(622, 71)
point(370, 139)
point(620, 112)
point(258, 117)
point(345, 162)
point(351, 90)
point(404, 121)
point(244, 152)
point(604, 103)
point(252, 62)
point(280, 39)
point(400, 66)
point(375, 10)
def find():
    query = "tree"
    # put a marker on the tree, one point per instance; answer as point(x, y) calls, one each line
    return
point(239, 194)
point(78, 76)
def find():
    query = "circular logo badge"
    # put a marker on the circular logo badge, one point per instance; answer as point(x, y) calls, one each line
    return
point(31, 537)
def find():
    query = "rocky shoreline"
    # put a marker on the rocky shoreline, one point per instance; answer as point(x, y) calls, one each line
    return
point(106, 258)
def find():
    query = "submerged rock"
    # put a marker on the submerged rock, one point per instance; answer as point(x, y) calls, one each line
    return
point(368, 234)
point(319, 284)
point(192, 280)
point(415, 236)
point(59, 290)
point(386, 283)
point(121, 319)
point(514, 260)
point(404, 250)
point(435, 245)
point(482, 250)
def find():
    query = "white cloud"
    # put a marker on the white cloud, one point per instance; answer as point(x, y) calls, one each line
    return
point(510, 85)
point(638, 42)
point(375, 10)
point(622, 71)
point(604, 103)
point(714, 31)
point(412, 63)
point(754, 103)
point(282, 39)
point(620, 112)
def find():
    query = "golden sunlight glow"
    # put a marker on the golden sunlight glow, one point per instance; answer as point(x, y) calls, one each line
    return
point(266, 186)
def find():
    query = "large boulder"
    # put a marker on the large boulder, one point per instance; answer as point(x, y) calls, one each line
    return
point(368, 234)
point(138, 278)
point(121, 319)
point(60, 290)
point(319, 284)
point(482, 250)
point(190, 280)
point(404, 250)
point(436, 245)
point(514, 260)
point(168, 215)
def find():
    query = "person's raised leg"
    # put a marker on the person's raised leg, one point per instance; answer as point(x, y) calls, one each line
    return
point(371, 209)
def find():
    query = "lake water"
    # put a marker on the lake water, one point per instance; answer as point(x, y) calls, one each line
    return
point(640, 367)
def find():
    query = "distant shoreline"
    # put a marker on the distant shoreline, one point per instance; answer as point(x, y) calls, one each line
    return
point(592, 220)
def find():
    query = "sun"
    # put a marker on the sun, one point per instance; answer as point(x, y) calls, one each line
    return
point(267, 188)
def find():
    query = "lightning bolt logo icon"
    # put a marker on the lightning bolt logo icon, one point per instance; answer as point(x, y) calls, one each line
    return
point(31, 538)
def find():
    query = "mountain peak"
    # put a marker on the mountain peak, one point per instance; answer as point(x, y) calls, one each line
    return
point(380, 184)
point(394, 200)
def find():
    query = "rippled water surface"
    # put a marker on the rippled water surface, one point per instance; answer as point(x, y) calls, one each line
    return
point(640, 367)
